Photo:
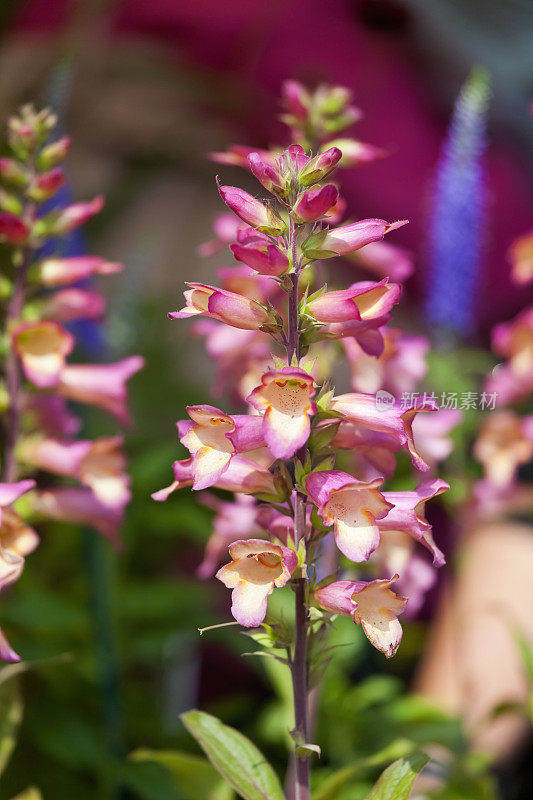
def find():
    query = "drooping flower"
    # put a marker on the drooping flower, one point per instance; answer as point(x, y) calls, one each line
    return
point(102, 385)
point(62, 271)
point(284, 397)
point(257, 566)
point(99, 464)
point(407, 514)
point(242, 475)
point(393, 419)
point(213, 438)
point(349, 238)
point(224, 306)
point(505, 442)
point(373, 605)
point(352, 506)
point(42, 348)
point(396, 556)
point(385, 260)
point(259, 253)
point(365, 300)
point(72, 304)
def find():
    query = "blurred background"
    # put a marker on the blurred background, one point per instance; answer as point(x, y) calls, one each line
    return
point(146, 88)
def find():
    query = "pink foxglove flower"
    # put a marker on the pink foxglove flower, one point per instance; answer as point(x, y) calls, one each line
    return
point(79, 505)
point(361, 301)
point(267, 173)
point(353, 507)
point(258, 253)
point(213, 438)
point(504, 443)
point(408, 515)
point(432, 433)
point(355, 152)
point(348, 238)
point(314, 204)
point(75, 215)
point(257, 566)
point(42, 348)
point(228, 307)
point(62, 271)
point(251, 211)
point(373, 605)
point(284, 397)
point(391, 419)
point(385, 260)
point(317, 168)
point(102, 385)
point(72, 304)
point(242, 475)
point(12, 229)
point(99, 464)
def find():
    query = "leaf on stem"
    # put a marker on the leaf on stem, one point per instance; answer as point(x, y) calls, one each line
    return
point(234, 756)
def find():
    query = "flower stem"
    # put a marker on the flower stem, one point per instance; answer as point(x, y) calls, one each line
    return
point(300, 771)
point(13, 378)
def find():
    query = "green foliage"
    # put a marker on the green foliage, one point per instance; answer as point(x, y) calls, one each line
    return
point(193, 776)
point(235, 757)
point(397, 780)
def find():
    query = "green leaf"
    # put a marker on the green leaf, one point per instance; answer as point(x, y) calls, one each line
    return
point(234, 756)
point(397, 780)
point(10, 718)
point(333, 785)
point(193, 775)
point(31, 793)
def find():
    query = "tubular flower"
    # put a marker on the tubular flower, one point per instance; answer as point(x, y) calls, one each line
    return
point(267, 173)
point(42, 348)
point(365, 300)
point(79, 505)
point(284, 397)
point(353, 507)
point(392, 420)
point(62, 271)
point(355, 152)
point(401, 365)
point(504, 443)
point(385, 260)
point(68, 305)
point(75, 215)
point(251, 210)
point(98, 464)
point(317, 168)
point(242, 475)
point(408, 515)
point(314, 204)
point(373, 605)
point(213, 438)
point(258, 253)
point(257, 566)
point(102, 385)
point(224, 306)
point(349, 238)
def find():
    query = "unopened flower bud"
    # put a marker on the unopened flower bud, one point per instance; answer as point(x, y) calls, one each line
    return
point(11, 172)
point(269, 176)
point(296, 100)
point(45, 186)
point(312, 205)
point(53, 154)
point(12, 229)
point(251, 210)
point(318, 167)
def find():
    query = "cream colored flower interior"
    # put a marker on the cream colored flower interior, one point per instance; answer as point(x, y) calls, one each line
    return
point(212, 436)
point(377, 605)
point(288, 396)
point(200, 298)
point(350, 506)
point(41, 341)
point(260, 568)
point(366, 303)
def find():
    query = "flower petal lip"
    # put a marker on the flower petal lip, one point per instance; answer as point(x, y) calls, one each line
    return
point(42, 348)
point(407, 514)
point(222, 305)
point(285, 398)
point(257, 566)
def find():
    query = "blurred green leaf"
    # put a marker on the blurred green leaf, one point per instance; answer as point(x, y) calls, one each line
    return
point(234, 756)
point(330, 788)
point(194, 776)
point(31, 793)
point(10, 719)
point(397, 780)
